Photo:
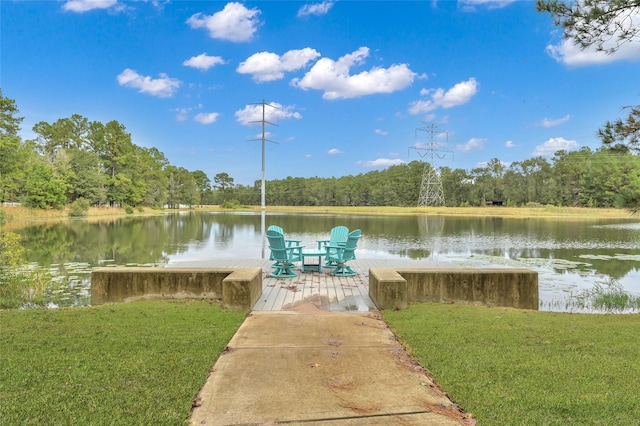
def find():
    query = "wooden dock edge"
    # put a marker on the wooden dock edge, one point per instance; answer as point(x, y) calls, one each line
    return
point(393, 288)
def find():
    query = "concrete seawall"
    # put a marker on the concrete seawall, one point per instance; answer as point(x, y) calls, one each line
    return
point(383, 287)
point(395, 288)
point(237, 288)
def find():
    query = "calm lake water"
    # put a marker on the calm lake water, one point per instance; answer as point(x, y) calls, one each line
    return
point(570, 255)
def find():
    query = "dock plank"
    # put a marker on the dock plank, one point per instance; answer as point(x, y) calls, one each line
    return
point(324, 290)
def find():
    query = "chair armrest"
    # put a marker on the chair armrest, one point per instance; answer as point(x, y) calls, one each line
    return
point(292, 242)
point(322, 243)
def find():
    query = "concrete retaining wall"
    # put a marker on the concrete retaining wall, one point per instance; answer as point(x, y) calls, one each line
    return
point(237, 288)
point(395, 288)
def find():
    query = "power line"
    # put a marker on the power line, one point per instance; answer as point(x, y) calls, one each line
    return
point(264, 139)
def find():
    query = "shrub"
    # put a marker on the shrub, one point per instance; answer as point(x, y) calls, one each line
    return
point(79, 207)
point(232, 204)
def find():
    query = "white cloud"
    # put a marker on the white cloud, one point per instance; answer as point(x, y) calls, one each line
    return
point(206, 118)
point(472, 144)
point(568, 53)
point(334, 79)
point(234, 23)
point(267, 66)
point(253, 113)
point(546, 122)
point(550, 147)
point(334, 151)
point(381, 132)
point(509, 144)
point(258, 136)
point(182, 113)
point(470, 5)
point(459, 94)
point(381, 162)
point(203, 61)
point(81, 6)
point(317, 9)
point(307, 156)
point(163, 87)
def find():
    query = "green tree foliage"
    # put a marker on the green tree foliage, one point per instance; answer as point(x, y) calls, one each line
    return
point(64, 133)
point(86, 180)
point(595, 22)
point(44, 189)
point(183, 189)
point(623, 130)
point(224, 184)
point(203, 186)
point(12, 151)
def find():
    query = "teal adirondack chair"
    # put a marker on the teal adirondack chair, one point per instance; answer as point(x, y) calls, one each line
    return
point(340, 255)
point(289, 243)
point(283, 255)
point(337, 237)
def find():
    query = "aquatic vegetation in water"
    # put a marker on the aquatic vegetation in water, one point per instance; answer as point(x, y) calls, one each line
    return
point(22, 288)
point(618, 256)
point(608, 297)
point(59, 285)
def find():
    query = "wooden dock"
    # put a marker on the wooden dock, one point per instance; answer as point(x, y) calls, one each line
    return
point(321, 289)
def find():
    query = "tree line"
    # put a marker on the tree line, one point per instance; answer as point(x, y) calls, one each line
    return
point(76, 159)
point(584, 178)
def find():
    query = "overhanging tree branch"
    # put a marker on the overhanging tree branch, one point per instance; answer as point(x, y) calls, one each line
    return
point(606, 25)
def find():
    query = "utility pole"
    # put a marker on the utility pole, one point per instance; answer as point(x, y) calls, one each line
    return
point(431, 191)
point(264, 104)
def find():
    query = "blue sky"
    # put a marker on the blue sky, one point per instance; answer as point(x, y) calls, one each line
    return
point(352, 80)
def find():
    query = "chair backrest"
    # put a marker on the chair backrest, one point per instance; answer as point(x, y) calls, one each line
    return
point(277, 245)
point(275, 228)
point(338, 235)
point(351, 245)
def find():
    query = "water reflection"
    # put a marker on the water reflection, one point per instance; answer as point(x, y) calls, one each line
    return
point(567, 253)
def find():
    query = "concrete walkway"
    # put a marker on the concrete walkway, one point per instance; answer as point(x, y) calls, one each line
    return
point(308, 367)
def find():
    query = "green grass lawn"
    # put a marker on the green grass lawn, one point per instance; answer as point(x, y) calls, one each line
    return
point(143, 363)
point(132, 363)
point(513, 367)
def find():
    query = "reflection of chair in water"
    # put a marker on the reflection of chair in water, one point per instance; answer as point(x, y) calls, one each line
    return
point(297, 257)
point(337, 238)
point(340, 255)
point(283, 255)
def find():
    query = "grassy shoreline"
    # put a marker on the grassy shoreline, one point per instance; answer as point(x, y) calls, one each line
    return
point(130, 363)
point(18, 217)
point(509, 367)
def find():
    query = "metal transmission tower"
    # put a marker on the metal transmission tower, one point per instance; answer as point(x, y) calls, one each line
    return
point(431, 191)
point(264, 139)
